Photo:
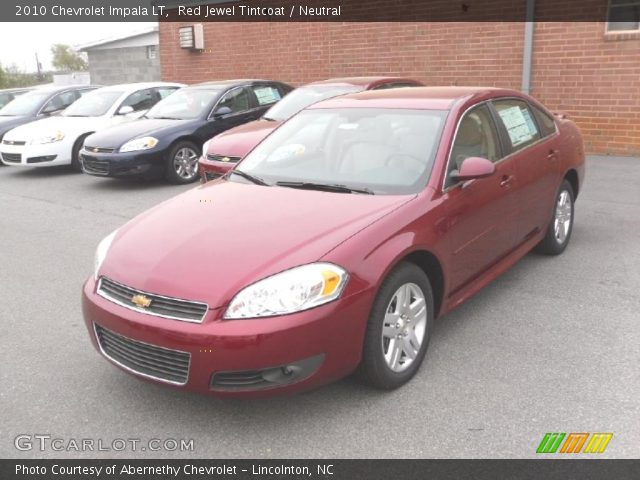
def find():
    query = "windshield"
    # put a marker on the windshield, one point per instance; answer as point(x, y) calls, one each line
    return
point(185, 104)
point(385, 151)
point(93, 104)
point(27, 104)
point(303, 97)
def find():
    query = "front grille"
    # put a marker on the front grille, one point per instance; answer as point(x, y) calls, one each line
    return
point(94, 166)
point(223, 158)
point(99, 149)
point(12, 157)
point(13, 142)
point(148, 360)
point(172, 308)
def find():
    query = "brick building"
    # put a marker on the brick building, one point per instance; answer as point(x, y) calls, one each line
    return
point(589, 69)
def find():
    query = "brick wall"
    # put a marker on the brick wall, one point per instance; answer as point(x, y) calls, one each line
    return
point(594, 77)
point(122, 65)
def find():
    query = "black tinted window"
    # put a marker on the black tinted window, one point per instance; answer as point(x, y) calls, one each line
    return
point(237, 100)
point(141, 100)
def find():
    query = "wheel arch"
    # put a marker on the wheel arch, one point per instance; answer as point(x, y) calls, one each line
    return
point(572, 177)
point(432, 267)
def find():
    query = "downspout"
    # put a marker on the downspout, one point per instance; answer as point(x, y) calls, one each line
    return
point(528, 47)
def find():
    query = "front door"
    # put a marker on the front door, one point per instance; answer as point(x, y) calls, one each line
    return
point(482, 213)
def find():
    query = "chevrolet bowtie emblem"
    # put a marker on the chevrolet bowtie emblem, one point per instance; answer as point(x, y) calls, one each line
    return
point(226, 159)
point(141, 301)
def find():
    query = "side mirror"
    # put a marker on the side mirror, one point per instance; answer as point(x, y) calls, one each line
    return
point(472, 168)
point(221, 112)
point(125, 110)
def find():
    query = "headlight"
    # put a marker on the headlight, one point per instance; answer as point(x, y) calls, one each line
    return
point(144, 143)
point(291, 291)
point(101, 252)
point(54, 137)
point(205, 148)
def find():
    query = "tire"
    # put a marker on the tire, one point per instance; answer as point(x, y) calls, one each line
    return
point(183, 157)
point(76, 165)
point(381, 366)
point(561, 225)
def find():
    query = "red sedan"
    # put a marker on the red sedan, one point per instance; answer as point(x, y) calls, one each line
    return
point(221, 152)
point(336, 243)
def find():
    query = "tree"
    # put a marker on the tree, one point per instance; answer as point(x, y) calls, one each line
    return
point(65, 59)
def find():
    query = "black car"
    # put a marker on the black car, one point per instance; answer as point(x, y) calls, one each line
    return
point(8, 94)
point(168, 139)
point(39, 103)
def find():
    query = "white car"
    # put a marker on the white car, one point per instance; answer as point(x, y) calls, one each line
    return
point(58, 140)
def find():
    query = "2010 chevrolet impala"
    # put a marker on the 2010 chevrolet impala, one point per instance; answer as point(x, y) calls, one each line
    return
point(333, 246)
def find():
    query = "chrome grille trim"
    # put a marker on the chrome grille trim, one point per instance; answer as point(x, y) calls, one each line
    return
point(143, 359)
point(161, 306)
point(219, 158)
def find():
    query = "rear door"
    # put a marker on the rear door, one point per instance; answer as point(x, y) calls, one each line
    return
point(534, 147)
point(482, 213)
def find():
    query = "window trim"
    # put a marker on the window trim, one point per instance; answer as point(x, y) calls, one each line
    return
point(500, 128)
point(251, 95)
point(607, 21)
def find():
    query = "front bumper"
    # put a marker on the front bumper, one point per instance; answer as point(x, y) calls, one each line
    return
point(117, 164)
point(48, 154)
point(324, 343)
point(212, 169)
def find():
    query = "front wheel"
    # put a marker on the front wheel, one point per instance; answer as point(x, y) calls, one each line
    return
point(399, 328)
point(182, 163)
point(561, 226)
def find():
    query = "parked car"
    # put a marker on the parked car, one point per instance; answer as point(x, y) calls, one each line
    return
point(39, 103)
point(9, 94)
point(57, 140)
point(168, 141)
point(220, 153)
point(313, 259)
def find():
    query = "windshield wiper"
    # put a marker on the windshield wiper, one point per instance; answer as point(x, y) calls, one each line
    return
point(164, 118)
point(248, 176)
point(327, 187)
point(269, 119)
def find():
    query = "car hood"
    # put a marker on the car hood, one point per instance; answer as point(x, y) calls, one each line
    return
point(115, 137)
point(70, 126)
point(210, 242)
point(238, 141)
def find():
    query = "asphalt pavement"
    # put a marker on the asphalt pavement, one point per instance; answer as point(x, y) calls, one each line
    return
point(551, 346)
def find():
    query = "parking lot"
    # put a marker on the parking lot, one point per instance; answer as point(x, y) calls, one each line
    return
point(551, 346)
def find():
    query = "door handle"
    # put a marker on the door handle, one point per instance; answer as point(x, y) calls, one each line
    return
point(506, 181)
point(553, 154)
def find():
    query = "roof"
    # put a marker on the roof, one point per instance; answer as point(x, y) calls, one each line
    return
point(105, 41)
point(361, 81)
point(227, 83)
point(17, 89)
point(436, 98)
point(53, 88)
point(140, 85)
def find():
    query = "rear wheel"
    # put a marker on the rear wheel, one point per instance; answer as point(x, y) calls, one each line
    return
point(182, 163)
point(561, 226)
point(399, 328)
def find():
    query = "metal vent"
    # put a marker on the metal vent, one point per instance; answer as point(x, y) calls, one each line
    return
point(171, 366)
point(152, 304)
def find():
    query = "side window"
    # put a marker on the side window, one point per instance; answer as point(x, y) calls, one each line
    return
point(60, 101)
point(237, 100)
point(476, 137)
point(80, 93)
point(165, 91)
point(518, 121)
point(386, 86)
point(141, 100)
point(546, 122)
point(266, 94)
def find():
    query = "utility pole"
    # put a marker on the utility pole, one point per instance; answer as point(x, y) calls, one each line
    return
point(39, 67)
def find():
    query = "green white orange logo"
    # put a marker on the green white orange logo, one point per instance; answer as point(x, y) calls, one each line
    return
point(573, 443)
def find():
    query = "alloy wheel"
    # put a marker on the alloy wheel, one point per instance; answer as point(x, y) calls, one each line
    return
point(404, 327)
point(185, 163)
point(562, 219)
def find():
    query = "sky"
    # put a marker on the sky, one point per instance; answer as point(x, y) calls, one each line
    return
point(20, 41)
